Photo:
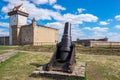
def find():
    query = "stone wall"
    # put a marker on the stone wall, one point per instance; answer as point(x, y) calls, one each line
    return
point(38, 35)
point(15, 35)
point(45, 36)
point(104, 43)
point(26, 35)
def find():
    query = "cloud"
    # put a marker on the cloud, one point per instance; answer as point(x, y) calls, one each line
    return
point(96, 29)
point(103, 23)
point(80, 10)
point(117, 26)
point(40, 1)
point(77, 19)
point(3, 32)
point(117, 17)
point(58, 7)
point(38, 13)
point(46, 14)
point(57, 25)
point(52, 2)
point(114, 36)
point(76, 32)
point(3, 24)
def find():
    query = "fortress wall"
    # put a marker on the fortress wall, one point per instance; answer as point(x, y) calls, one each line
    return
point(45, 36)
point(104, 43)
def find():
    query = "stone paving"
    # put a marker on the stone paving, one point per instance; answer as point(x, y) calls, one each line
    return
point(7, 55)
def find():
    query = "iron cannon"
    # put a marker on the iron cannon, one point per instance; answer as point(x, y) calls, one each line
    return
point(63, 58)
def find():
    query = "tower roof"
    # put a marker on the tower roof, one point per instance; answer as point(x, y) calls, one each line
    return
point(17, 10)
point(17, 7)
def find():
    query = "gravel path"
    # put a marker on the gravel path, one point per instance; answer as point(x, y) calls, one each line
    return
point(7, 55)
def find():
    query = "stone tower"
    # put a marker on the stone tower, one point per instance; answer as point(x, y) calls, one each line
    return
point(18, 18)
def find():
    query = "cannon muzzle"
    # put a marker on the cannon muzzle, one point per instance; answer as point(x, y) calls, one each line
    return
point(65, 43)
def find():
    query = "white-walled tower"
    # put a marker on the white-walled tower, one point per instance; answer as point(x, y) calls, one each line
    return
point(18, 17)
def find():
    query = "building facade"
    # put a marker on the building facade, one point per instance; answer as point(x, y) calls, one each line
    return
point(22, 33)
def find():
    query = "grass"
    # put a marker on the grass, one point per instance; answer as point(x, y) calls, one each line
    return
point(20, 66)
point(105, 50)
point(115, 50)
point(101, 67)
point(7, 47)
point(48, 48)
point(4, 49)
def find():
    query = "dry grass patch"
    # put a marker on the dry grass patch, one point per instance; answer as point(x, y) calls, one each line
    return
point(101, 67)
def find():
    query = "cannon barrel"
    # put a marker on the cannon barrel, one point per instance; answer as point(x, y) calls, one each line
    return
point(65, 43)
point(64, 57)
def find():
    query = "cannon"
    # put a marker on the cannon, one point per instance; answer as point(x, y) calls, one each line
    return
point(63, 58)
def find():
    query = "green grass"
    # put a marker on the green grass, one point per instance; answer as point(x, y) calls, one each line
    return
point(7, 47)
point(4, 49)
point(46, 48)
point(105, 50)
point(115, 50)
point(20, 66)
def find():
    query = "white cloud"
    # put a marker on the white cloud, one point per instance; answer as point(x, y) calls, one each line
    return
point(3, 32)
point(57, 25)
point(117, 17)
point(103, 23)
point(77, 19)
point(114, 36)
point(46, 14)
point(80, 10)
point(3, 24)
point(5, 9)
point(76, 32)
point(87, 28)
point(117, 26)
point(58, 7)
point(96, 29)
point(52, 2)
point(38, 13)
point(40, 1)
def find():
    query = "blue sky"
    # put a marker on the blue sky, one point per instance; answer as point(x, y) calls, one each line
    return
point(89, 18)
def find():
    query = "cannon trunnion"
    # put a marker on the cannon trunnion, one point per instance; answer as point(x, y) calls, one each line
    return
point(63, 58)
